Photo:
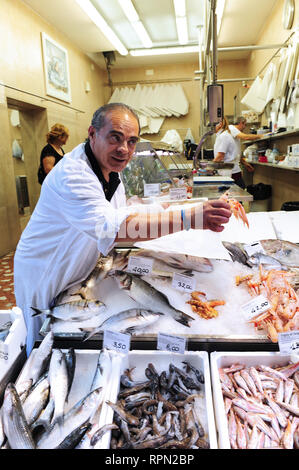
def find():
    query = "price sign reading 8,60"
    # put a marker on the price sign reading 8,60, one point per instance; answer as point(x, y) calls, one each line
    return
point(259, 304)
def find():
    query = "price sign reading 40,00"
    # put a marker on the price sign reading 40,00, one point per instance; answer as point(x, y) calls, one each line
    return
point(140, 265)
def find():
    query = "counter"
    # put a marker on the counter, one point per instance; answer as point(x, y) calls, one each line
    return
point(212, 192)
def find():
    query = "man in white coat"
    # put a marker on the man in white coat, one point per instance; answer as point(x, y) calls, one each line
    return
point(82, 212)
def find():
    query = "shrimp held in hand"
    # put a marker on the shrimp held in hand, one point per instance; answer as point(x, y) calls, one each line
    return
point(236, 207)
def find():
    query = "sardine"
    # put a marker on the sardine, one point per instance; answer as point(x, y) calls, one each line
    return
point(15, 425)
point(146, 295)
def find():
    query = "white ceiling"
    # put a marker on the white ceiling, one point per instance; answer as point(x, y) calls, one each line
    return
point(242, 24)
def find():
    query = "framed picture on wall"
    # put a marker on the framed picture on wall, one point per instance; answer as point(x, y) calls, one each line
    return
point(56, 69)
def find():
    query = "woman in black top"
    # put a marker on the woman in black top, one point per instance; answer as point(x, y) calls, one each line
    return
point(53, 151)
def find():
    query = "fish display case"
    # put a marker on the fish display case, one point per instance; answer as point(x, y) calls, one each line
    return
point(221, 363)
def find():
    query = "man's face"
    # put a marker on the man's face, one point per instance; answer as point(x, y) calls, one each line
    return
point(114, 144)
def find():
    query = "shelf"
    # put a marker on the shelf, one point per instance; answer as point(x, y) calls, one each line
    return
point(273, 136)
point(280, 167)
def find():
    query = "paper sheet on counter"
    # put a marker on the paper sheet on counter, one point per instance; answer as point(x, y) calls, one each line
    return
point(201, 243)
point(260, 228)
point(286, 225)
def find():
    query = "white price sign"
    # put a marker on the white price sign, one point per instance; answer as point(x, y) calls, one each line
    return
point(152, 189)
point(183, 283)
point(256, 306)
point(140, 265)
point(118, 341)
point(176, 194)
point(170, 343)
point(253, 248)
point(289, 342)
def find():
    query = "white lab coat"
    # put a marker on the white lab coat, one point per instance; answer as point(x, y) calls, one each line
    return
point(224, 143)
point(234, 132)
point(71, 225)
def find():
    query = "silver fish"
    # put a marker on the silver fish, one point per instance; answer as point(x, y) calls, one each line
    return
point(75, 417)
point(237, 253)
point(287, 253)
point(179, 260)
point(45, 418)
point(58, 379)
point(127, 321)
point(146, 295)
point(40, 356)
point(70, 360)
point(15, 425)
point(266, 260)
point(36, 401)
point(75, 310)
point(4, 330)
point(73, 439)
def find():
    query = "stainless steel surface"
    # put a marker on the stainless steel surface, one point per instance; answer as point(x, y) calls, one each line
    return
point(206, 164)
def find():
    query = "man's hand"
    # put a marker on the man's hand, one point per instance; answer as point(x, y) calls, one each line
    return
point(215, 213)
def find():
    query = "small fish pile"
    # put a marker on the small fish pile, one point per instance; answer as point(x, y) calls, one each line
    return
point(262, 406)
point(162, 412)
point(205, 309)
point(33, 411)
point(283, 314)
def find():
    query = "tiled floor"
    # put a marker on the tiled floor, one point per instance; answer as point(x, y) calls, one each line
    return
point(7, 298)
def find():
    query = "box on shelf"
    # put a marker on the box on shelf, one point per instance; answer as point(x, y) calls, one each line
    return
point(226, 359)
point(11, 347)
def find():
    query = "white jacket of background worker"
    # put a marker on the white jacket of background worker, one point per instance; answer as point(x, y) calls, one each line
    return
point(71, 225)
point(224, 143)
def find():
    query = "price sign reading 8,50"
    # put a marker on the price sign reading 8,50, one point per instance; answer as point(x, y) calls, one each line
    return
point(259, 304)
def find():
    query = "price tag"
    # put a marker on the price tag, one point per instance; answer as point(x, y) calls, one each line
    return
point(170, 343)
point(289, 342)
point(183, 283)
point(256, 306)
point(253, 248)
point(140, 265)
point(118, 341)
point(176, 194)
point(152, 189)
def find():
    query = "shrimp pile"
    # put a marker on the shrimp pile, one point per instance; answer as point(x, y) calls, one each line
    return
point(236, 207)
point(283, 314)
point(204, 308)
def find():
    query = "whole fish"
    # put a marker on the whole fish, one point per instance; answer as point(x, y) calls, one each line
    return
point(74, 418)
point(36, 401)
point(127, 321)
point(146, 295)
point(237, 253)
point(70, 360)
point(38, 361)
point(15, 425)
point(103, 370)
point(179, 260)
point(73, 439)
point(260, 258)
point(58, 379)
point(76, 310)
point(45, 418)
point(287, 253)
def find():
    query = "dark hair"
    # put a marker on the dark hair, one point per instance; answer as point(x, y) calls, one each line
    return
point(99, 118)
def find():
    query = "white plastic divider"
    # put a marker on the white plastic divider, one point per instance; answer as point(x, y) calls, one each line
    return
point(11, 347)
point(226, 359)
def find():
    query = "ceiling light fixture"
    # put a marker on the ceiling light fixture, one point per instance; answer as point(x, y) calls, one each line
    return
point(164, 51)
point(132, 15)
point(181, 20)
point(99, 21)
point(219, 12)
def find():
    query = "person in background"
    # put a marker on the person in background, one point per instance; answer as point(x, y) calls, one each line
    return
point(53, 152)
point(224, 147)
point(236, 130)
point(82, 212)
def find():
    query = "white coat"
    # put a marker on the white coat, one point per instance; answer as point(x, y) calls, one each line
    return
point(71, 225)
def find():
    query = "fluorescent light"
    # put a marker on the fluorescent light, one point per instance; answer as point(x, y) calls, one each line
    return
point(179, 7)
point(164, 51)
point(219, 12)
point(133, 17)
point(129, 10)
point(99, 21)
point(181, 25)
